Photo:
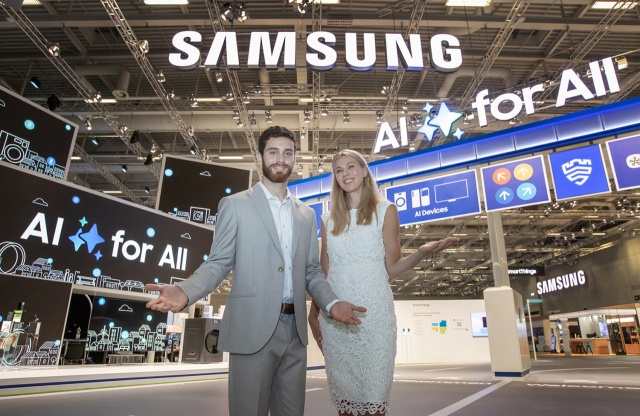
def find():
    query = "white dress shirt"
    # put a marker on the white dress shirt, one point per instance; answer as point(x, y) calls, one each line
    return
point(282, 213)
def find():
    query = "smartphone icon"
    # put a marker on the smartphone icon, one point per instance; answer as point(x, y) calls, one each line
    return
point(425, 198)
point(415, 198)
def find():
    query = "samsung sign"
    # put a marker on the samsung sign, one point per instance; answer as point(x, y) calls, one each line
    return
point(562, 282)
point(444, 56)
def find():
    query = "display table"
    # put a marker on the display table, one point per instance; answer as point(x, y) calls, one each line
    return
point(596, 346)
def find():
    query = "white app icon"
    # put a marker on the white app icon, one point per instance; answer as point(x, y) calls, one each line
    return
point(400, 199)
point(577, 170)
point(633, 161)
point(420, 198)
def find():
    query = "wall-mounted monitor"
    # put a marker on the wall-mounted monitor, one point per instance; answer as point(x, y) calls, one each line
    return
point(479, 324)
point(125, 325)
point(191, 189)
point(61, 231)
point(33, 137)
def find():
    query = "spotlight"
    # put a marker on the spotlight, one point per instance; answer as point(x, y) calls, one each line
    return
point(123, 128)
point(53, 102)
point(379, 117)
point(267, 114)
point(307, 118)
point(324, 112)
point(412, 147)
point(239, 123)
point(146, 189)
point(303, 133)
point(622, 63)
point(385, 89)
point(245, 97)
point(235, 115)
point(148, 160)
point(513, 121)
point(242, 12)
point(154, 149)
point(192, 101)
point(229, 96)
point(135, 137)
point(191, 132)
point(143, 45)
point(303, 6)
point(257, 89)
point(345, 117)
point(124, 168)
point(300, 170)
point(227, 13)
point(192, 149)
point(87, 124)
point(328, 98)
point(95, 141)
point(218, 76)
point(160, 77)
point(35, 82)
point(171, 95)
point(97, 97)
point(54, 49)
point(405, 109)
point(252, 119)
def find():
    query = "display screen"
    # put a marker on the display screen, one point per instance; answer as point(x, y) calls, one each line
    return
point(479, 324)
point(125, 325)
point(35, 338)
point(60, 231)
point(192, 189)
point(34, 138)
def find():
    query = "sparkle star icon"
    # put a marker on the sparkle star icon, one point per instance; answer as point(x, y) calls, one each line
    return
point(458, 133)
point(427, 107)
point(428, 131)
point(77, 241)
point(92, 238)
point(445, 119)
point(98, 255)
point(83, 221)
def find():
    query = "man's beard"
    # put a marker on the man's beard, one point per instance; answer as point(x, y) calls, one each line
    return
point(277, 177)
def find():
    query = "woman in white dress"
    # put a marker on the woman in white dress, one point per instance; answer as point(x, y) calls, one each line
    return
point(360, 255)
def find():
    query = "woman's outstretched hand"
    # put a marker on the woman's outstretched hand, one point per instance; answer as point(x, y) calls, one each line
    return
point(437, 246)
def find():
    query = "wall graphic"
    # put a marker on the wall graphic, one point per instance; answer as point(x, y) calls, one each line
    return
point(59, 231)
point(125, 325)
point(34, 138)
point(191, 189)
point(35, 338)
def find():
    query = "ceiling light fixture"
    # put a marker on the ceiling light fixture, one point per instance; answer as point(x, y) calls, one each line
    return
point(379, 117)
point(148, 160)
point(160, 77)
point(346, 118)
point(165, 2)
point(218, 76)
point(192, 149)
point(252, 119)
point(124, 168)
point(192, 101)
point(146, 190)
point(622, 63)
point(227, 13)
point(267, 114)
point(54, 49)
point(242, 12)
point(385, 89)
point(307, 116)
point(95, 141)
point(235, 115)
point(87, 123)
point(35, 82)
point(324, 112)
point(135, 137)
point(239, 123)
point(303, 6)
point(467, 3)
point(229, 96)
point(608, 5)
point(143, 45)
point(245, 98)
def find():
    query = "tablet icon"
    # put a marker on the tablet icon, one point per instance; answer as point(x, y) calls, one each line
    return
point(420, 198)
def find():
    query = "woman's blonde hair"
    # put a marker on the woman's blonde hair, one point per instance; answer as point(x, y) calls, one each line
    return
point(369, 199)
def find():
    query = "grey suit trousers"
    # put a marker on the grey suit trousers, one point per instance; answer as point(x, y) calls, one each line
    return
point(272, 379)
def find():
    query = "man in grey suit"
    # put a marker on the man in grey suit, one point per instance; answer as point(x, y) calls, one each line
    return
point(269, 239)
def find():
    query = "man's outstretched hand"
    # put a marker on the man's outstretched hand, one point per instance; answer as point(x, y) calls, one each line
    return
point(171, 298)
point(343, 312)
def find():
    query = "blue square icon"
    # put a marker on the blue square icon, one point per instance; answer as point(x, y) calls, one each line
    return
point(579, 172)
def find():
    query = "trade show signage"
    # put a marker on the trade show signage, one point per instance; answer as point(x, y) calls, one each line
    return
point(318, 208)
point(566, 281)
point(526, 271)
point(624, 155)
point(192, 189)
point(34, 138)
point(436, 198)
point(579, 172)
point(60, 231)
point(515, 184)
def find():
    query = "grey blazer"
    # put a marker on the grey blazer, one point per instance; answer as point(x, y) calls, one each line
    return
point(246, 241)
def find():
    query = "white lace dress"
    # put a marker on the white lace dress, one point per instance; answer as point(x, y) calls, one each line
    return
point(360, 359)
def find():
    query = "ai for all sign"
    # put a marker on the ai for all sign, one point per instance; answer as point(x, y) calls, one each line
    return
point(572, 87)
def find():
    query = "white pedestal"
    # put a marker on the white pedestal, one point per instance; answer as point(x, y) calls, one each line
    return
point(508, 342)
